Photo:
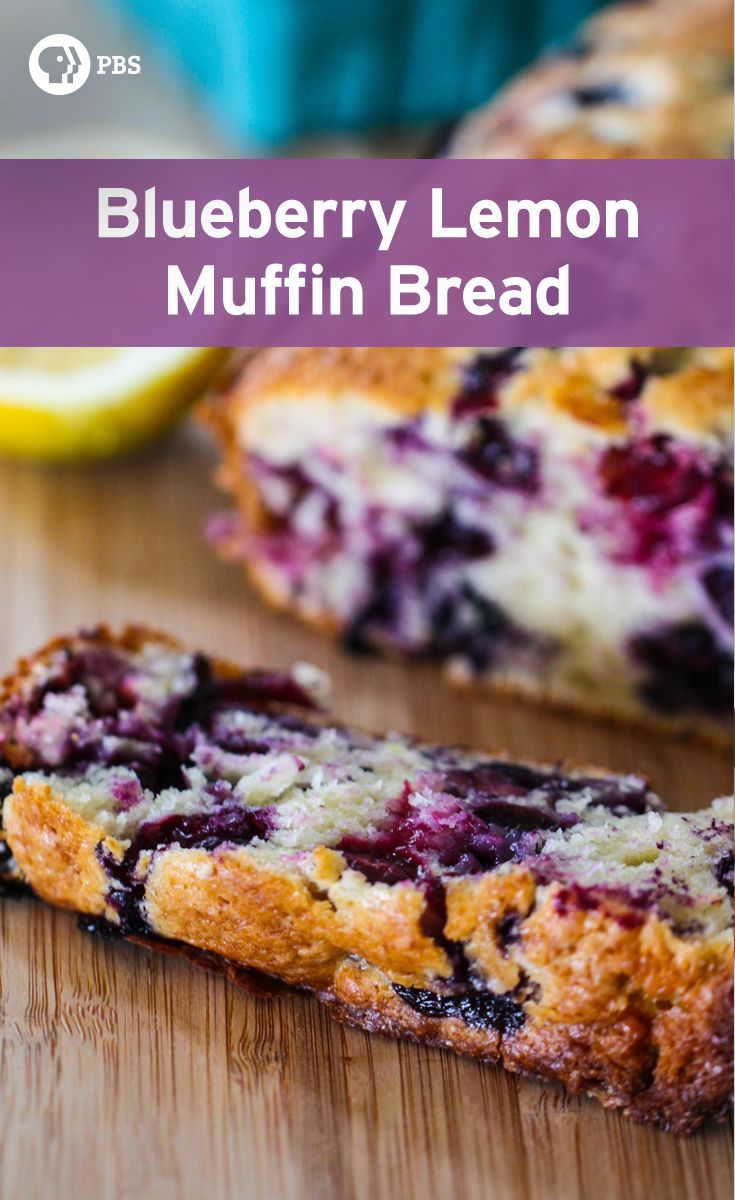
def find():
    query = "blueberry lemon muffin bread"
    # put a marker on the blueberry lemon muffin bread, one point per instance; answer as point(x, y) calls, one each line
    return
point(553, 521)
point(644, 80)
point(560, 922)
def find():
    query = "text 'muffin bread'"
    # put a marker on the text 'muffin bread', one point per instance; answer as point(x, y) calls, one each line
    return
point(560, 922)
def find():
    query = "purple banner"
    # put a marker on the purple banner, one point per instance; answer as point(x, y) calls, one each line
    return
point(366, 252)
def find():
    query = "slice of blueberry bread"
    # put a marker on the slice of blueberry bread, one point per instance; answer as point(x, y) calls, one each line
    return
point(560, 922)
point(557, 522)
point(644, 80)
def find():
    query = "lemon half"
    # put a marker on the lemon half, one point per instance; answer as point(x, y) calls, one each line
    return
point(69, 404)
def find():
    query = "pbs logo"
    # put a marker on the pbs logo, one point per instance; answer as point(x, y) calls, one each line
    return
point(60, 64)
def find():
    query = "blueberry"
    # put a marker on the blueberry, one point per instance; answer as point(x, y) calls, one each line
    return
point(508, 929)
point(446, 537)
point(378, 867)
point(685, 669)
point(100, 927)
point(724, 871)
point(476, 1007)
point(652, 474)
point(493, 779)
point(718, 583)
point(607, 794)
point(235, 824)
point(594, 95)
point(379, 612)
point(470, 626)
point(481, 379)
point(502, 460)
point(632, 386)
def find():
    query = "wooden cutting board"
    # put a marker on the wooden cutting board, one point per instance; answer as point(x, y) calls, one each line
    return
point(125, 1074)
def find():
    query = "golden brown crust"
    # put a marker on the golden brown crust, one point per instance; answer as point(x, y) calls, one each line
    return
point(660, 1072)
point(57, 848)
point(253, 911)
point(404, 380)
point(627, 1064)
point(693, 402)
point(613, 1062)
point(636, 1016)
point(692, 398)
point(233, 905)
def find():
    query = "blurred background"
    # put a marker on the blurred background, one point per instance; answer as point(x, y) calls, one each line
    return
point(244, 77)
point(231, 78)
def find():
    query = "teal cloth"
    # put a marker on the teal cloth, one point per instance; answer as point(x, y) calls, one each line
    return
point(274, 69)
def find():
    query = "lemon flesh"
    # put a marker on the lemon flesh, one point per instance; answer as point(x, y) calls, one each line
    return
point(69, 404)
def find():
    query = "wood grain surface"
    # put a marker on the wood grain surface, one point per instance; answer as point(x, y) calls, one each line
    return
point(125, 1074)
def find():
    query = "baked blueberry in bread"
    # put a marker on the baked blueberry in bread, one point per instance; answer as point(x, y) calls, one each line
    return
point(554, 522)
point(557, 522)
point(643, 80)
point(557, 921)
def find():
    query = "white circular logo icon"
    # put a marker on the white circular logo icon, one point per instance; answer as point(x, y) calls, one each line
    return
point(59, 64)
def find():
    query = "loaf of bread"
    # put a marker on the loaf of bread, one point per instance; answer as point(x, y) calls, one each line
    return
point(559, 922)
point(555, 522)
point(643, 80)
point(552, 522)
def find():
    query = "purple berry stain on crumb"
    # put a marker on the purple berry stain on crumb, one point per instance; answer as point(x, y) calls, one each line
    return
point(625, 908)
point(115, 728)
point(449, 835)
point(670, 502)
point(458, 620)
point(477, 821)
point(126, 793)
point(632, 386)
point(654, 474)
